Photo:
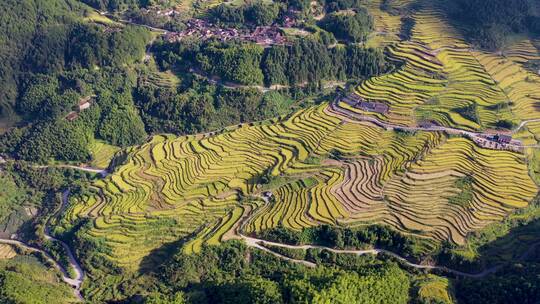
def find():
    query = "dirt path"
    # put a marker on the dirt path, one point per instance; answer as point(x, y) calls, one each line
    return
point(79, 272)
point(102, 172)
point(523, 123)
point(74, 264)
point(260, 244)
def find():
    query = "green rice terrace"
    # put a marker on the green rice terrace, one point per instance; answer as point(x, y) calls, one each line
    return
point(321, 166)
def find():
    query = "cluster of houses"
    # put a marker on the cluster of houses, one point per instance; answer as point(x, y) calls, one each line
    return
point(499, 142)
point(204, 30)
point(355, 100)
point(84, 103)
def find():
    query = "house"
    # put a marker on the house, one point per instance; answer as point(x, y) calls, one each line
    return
point(501, 139)
point(85, 103)
point(377, 107)
point(72, 116)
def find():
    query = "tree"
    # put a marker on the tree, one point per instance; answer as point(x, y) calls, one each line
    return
point(59, 139)
point(259, 13)
point(158, 298)
point(122, 126)
point(353, 27)
point(262, 291)
point(233, 62)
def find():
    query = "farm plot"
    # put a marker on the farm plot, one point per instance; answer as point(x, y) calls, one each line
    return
point(441, 81)
point(170, 188)
point(201, 187)
point(521, 86)
point(318, 167)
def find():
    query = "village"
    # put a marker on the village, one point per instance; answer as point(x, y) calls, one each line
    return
point(204, 30)
point(499, 142)
point(356, 101)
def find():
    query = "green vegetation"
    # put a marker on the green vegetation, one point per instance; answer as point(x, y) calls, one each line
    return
point(58, 67)
point(24, 279)
point(256, 13)
point(517, 283)
point(434, 289)
point(238, 63)
point(12, 197)
point(465, 188)
point(194, 107)
point(306, 61)
point(352, 27)
point(117, 5)
point(336, 237)
point(491, 22)
point(222, 274)
point(271, 157)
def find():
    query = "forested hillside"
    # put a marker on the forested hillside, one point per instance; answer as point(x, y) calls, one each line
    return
point(21, 22)
point(491, 22)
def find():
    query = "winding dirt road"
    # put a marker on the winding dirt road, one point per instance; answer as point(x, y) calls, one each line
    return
point(102, 172)
point(75, 283)
point(260, 244)
point(523, 123)
point(77, 269)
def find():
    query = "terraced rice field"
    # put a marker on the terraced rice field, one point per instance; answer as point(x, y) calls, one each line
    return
point(435, 289)
point(323, 168)
point(521, 86)
point(441, 80)
point(102, 154)
point(7, 251)
point(201, 187)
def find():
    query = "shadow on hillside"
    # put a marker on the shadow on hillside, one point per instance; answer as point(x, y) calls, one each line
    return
point(160, 255)
point(520, 244)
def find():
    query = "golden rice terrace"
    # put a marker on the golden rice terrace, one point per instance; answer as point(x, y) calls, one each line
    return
point(318, 166)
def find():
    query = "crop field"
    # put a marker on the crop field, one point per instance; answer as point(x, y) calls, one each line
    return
point(204, 187)
point(521, 86)
point(386, 25)
point(441, 81)
point(102, 153)
point(434, 289)
point(7, 252)
point(317, 166)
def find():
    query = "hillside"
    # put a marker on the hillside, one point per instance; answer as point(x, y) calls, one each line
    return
point(278, 152)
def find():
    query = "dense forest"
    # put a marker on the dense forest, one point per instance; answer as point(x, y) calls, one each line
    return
point(306, 60)
point(117, 5)
point(350, 26)
point(194, 108)
point(490, 23)
point(63, 62)
point(251, 14)
point(232, 273)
